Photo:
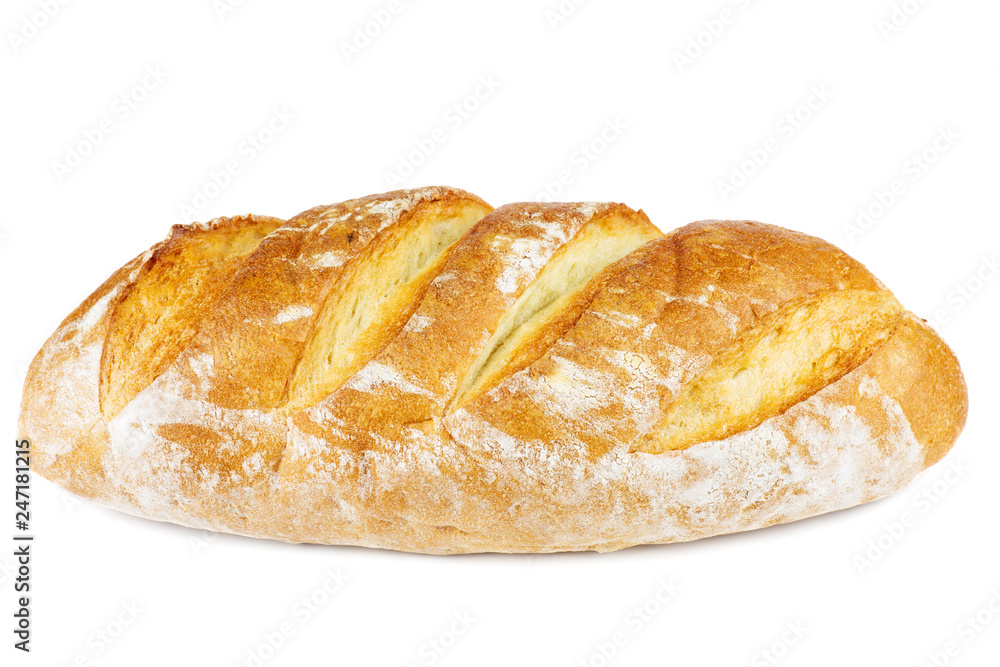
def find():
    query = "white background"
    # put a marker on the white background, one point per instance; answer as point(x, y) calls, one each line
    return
point(673, 131)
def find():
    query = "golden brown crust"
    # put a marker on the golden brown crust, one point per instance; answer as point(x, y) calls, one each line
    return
point(232, 378)
point(403, 393)
point(793, 352)
point(498, 396)
point(255, 335)
point(60, 405)
point(920, 371)
point(161, 310)
point(696, 292)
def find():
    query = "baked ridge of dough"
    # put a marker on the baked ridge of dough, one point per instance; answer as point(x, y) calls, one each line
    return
point(429, 445)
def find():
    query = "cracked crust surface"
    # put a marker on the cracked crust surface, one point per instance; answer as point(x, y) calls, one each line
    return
point(503, 393)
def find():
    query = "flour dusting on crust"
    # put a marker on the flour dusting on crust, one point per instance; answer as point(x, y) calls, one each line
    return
point(542, 461)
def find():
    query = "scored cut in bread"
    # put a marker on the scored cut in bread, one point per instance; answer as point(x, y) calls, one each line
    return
point(417, 371)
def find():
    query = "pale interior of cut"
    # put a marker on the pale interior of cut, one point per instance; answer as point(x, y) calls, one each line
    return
point(161, 313)
point(598, 244)
point(791, 355)
point(372, 300)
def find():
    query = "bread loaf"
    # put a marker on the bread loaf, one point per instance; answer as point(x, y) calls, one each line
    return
point(417, 371)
